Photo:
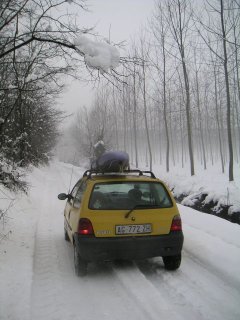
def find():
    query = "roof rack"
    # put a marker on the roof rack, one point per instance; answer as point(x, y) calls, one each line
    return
point(88, 173)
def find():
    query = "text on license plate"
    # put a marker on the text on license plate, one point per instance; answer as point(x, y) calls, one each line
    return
point(134, 228)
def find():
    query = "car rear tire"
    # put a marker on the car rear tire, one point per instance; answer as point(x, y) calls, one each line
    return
point(172, 262)
point(80, 265)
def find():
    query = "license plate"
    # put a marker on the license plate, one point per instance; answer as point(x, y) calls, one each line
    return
point(134, 229)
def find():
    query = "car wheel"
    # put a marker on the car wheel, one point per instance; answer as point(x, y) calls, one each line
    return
point(172, 262)
point(66, 236)
point(80, 265)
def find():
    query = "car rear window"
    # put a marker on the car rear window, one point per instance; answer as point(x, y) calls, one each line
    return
point(126, 195)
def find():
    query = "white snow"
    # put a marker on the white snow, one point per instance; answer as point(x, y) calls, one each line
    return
point(98, 55)
point(211, 182)
point(37, 280)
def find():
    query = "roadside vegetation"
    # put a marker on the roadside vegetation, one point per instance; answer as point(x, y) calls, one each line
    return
point(41, 44)
point(174, 100)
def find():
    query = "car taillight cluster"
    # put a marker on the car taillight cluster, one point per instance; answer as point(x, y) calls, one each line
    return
point(176, 223)
point(85, 227)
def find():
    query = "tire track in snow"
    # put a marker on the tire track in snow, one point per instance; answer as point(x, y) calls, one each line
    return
point(207, 250)
point(225, 280)
point(194, 289)
point(144, 294)
point(46, 302)
point(46, 289)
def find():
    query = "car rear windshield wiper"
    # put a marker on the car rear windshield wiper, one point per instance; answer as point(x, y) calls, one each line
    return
point(145, 206)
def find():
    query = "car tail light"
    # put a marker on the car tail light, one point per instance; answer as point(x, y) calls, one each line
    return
point(176, 223)
point(85, 227)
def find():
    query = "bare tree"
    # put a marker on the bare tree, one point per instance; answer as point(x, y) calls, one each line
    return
point(218, 119)
point(159, 28)
point(32, 36)
point(135, 109)
point(144, 58)
point(179, 16)
point(219, 32)
point(225, 63)
point(26, 21)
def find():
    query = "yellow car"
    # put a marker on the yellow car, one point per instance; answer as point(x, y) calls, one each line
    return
point(130, 215)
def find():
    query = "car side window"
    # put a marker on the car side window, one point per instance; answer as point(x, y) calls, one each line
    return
point(74, 191)
point(75, 188)
point(79, 194)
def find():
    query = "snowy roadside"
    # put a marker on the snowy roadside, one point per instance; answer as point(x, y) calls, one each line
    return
point(17, 234)
point(36, 267)
point(208, 191)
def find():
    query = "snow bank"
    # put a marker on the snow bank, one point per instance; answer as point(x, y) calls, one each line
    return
point(212, 185)
point(17, 229)
point(98, 55)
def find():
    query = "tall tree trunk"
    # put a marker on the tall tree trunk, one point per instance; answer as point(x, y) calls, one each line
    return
point(209, 135)
point(237, 110)
point(135, 117)
point(200, 121)
point(165, 105)
point(177, 30)
point(225, 64)
point(188, 114)
point(182, 142)
point(124, 121)
point(181, 103)
point(217, 119)
point(145, 115)
point(160, 135)
point(170, 129)
point(237, 80)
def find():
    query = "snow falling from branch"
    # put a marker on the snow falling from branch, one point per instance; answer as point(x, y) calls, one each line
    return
point(98, 55)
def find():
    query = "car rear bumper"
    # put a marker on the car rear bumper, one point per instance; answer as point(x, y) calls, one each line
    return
point(129, 248)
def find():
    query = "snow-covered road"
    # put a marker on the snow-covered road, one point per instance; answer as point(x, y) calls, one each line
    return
point(37, 279)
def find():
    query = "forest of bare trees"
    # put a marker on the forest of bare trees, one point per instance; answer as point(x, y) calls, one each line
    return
point(179, 102)
point(174, 100)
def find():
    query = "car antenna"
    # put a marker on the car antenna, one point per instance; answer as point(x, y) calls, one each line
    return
point(71, 173)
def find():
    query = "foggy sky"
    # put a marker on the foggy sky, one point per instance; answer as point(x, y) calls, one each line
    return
point(119, 20)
